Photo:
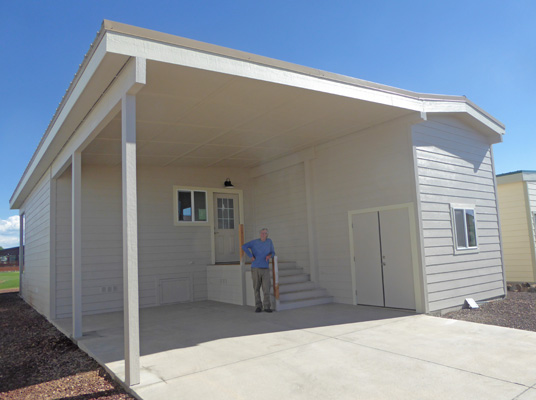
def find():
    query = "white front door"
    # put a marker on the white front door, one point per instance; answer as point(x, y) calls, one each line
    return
point(383, 259)
point(226, 227)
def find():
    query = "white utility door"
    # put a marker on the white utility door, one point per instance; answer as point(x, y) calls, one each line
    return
point(367, 259)
point(226, 227)
point(383, 259)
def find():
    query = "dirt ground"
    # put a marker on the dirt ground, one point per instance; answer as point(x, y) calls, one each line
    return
point(39, 362)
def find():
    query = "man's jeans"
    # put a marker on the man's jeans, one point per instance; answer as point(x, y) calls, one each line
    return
point(261, 276)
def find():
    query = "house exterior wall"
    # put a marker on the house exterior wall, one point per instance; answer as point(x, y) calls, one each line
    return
point(36, 269)
point(280, 205)
point(455, 166)
point(516, 228)
point(515, 231)
point(371, 168)
point(166, 251)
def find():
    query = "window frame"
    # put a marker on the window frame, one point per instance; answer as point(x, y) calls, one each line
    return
point(464, 208)
point(192, 191)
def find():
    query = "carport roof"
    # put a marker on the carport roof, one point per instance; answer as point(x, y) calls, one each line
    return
point(205, 105)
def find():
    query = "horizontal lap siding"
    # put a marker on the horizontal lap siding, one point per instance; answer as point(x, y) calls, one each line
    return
point(454, 165)
point(166, 251)
point(515, 232)
point(36, 277)
point(280, 206)
point(368, 169)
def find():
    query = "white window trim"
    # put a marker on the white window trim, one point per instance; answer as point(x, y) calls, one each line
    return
point(191, 189)
point(463, 250)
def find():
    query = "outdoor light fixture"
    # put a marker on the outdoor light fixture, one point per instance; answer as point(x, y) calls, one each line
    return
point(228, 183)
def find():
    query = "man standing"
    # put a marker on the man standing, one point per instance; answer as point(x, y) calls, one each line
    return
point(260, 251)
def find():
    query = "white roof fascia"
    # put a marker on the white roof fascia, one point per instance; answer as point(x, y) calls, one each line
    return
point(60, 117)
point(274, 71)
point(465, 107)
point(172, 54)
point(130, 80)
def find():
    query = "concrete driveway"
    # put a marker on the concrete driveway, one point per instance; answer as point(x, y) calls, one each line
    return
point(210, 350)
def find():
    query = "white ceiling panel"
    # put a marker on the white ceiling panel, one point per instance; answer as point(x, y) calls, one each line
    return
point(187, 134)
point(215, 151)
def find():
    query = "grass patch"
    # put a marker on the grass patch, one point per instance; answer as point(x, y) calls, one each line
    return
point(9, 280)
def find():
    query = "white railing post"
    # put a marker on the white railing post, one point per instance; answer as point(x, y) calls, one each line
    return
point(275, 273)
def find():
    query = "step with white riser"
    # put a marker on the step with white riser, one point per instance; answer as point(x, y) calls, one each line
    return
point(303, 294)
point(290, 271)
point(297, 286)
point(293, 278)
point(289, 305)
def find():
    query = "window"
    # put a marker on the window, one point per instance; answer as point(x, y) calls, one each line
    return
point(225, 214)
point(464, 227)
point(192, 205)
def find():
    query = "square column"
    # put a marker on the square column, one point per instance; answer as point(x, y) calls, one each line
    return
point(130, 242)
point(76, 221)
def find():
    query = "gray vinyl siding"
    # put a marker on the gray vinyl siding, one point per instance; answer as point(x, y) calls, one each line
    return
point(372, 168)
point(166, 251)
point(280, 206)
point(36, 275)
point(454, 165)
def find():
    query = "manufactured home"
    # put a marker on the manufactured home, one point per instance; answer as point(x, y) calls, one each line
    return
point(164, 148)
point(517, 205)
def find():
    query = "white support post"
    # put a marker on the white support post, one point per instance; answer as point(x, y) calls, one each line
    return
point(21, 251)
point(130, 242)
point(77, 243)
point(311, 226)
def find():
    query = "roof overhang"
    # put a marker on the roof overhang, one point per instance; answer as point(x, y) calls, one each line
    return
point(205, 105)
point(516, 176)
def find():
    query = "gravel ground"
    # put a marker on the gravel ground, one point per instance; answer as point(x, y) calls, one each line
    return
point(39, 362)
point(517, 311)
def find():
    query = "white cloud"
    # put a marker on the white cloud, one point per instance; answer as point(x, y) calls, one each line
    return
point(9, 232)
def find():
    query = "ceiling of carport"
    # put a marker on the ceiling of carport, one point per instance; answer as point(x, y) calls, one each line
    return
point(198, 118)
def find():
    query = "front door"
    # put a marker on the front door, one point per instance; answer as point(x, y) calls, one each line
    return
point(226, 228)
point(383, 259)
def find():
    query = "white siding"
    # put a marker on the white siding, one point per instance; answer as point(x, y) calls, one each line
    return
point(36, 277)
point(280, 206)
point(372, 168)
point(166, 251)
point(454, 165)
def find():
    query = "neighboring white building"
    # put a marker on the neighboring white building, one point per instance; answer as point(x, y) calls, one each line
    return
point(383, 196)
point(517, 206)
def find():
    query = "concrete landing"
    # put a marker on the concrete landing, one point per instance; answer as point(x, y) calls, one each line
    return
point(210, 350)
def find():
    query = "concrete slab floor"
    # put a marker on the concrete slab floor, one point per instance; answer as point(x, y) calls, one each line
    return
point(209, 350)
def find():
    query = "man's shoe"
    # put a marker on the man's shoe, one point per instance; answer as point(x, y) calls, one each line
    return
point(267, 310)
point(258, 309)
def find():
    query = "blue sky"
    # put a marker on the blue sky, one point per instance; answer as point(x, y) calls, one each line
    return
point(483, 49)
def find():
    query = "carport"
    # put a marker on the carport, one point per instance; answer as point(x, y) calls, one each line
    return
point(209, 350)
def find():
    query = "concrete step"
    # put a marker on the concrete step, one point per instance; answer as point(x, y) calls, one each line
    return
point(290, 271)
point(303, 294)
point(289, 305)
point(294, 287)
point(293, 278)
point(285, 264)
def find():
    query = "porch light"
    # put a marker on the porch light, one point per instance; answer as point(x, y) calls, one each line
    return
point(228, 183)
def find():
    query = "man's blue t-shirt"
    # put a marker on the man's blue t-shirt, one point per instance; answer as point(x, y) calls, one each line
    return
point(259, 249)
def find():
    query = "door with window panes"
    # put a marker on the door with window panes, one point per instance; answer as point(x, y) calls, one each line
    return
point(226, 227)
